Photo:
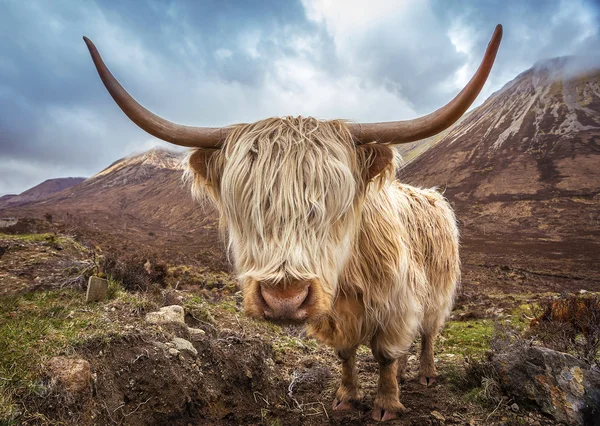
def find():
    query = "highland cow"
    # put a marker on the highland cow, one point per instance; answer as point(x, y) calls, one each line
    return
point(321, 233)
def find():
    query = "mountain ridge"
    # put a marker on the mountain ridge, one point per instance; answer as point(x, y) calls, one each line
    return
point(40, 191)
point(523, 171)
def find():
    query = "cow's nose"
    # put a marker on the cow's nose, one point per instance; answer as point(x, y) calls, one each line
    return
point(285, 303)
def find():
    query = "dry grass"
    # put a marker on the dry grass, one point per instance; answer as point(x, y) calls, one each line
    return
point(570, 324)
point(136, 271)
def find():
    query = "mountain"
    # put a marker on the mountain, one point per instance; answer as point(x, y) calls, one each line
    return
point(523, 171)
point(139, 200)
point(39, 192)
point(6, 197)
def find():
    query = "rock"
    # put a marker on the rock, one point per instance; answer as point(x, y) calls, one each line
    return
point(173, 352)
point(561, 385)
point(184, 345)
point(160, 345)
point(72, 374)
point(196, 333)
point(167, 314)
point(438, 415)
point(97, 290)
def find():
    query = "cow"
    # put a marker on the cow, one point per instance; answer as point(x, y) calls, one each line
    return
point(322, 234)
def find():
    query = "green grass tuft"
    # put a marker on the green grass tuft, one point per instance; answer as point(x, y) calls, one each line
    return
point(466, 337)
point(37, 326)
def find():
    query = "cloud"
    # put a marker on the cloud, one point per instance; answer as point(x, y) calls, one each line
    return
point(215, 63)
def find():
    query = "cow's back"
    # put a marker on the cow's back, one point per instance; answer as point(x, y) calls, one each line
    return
point(433, 240)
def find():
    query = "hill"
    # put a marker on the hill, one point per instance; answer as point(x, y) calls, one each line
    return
point(139, 201)
point(523, 171)
point(39, 192)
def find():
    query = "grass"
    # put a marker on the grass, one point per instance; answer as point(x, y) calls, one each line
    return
point(520, 316)
point(37, 326)
point(50, 240)
point(33, 238)
point(285, 343)
point(467, 338)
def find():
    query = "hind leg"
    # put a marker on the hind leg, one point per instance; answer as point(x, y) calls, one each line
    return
point(431, 327)
point(402, 363)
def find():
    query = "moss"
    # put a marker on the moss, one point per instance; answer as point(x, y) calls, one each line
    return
point(522, 314)
point(37, 326)
point(285, 343)
point(199, 310)
point(229, 305)
point(30, 238)
point(466, 337)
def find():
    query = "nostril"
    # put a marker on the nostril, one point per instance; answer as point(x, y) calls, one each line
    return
point(286, 302)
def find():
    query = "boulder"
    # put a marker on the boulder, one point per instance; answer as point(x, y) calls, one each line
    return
point(167, 314)
point(72, 374)
point(97, 289)
point(558, 383)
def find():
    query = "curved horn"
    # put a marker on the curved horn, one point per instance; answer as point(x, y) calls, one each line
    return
point(397, 132)
point(195, 137)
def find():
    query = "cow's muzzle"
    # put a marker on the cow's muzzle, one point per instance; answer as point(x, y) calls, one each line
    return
point(289, 303)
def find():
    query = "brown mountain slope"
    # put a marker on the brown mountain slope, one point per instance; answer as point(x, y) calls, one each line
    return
point(39, 192)
point(523, 171)
point(139, 200)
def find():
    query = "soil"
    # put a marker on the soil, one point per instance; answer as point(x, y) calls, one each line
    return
point(248, 372)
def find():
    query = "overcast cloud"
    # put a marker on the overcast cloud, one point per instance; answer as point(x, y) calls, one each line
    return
point(220, 62)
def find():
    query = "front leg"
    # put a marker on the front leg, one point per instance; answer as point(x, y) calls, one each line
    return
point(387, 405)
point(387, 402)
point(348, 394)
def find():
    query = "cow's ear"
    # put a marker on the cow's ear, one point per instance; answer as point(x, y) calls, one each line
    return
point(205, 165)
point(376, 158)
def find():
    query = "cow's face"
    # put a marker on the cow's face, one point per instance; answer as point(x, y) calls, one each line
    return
point(289, 192)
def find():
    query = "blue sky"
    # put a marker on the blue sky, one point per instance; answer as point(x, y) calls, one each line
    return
point(220, 62)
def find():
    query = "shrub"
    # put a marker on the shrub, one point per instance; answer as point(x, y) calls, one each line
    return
point(137, 271)
point(570, 324)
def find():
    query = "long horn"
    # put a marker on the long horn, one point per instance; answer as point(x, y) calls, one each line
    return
point(195, 137)
point(397, 132)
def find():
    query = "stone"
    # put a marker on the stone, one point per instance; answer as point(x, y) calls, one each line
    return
point(558, 383)
point(173, 352)
point(167, 314)
point(184, 345)
point(438, 415)
point(97, 290)
point(160, 345)
point(72, 374)
point(196, 333)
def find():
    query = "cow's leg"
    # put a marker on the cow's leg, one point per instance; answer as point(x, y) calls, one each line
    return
point(430, 329)
point(402, 363)
point(387, 404)
point(348, 394)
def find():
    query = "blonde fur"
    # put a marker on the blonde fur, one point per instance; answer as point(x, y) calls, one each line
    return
point(295, 202)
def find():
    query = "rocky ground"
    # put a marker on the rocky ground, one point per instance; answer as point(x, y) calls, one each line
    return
point(63, 361)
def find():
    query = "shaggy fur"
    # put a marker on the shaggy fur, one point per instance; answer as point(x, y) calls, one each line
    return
point(301, 201)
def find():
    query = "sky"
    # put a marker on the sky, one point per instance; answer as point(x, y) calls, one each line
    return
point(214, 63)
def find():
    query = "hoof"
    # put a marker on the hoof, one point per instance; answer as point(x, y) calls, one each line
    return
point(342, 405)
point(380, 414)
point(426, 380)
